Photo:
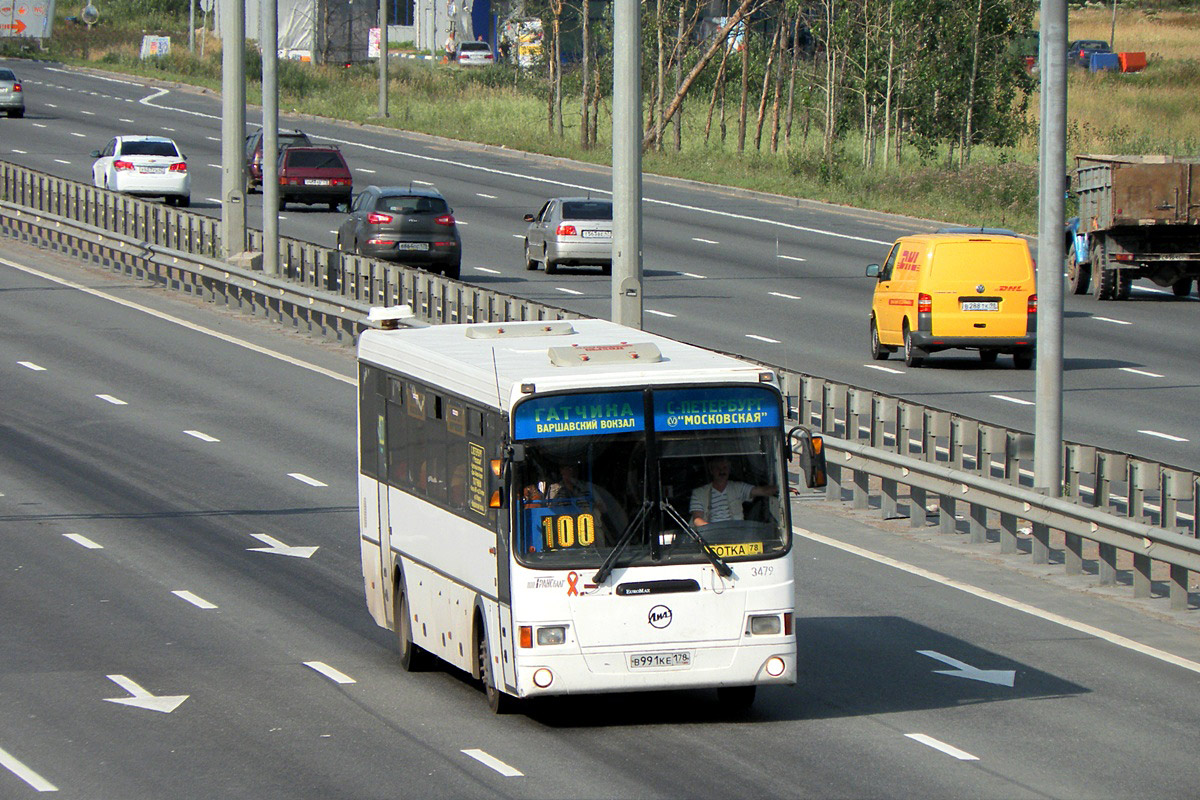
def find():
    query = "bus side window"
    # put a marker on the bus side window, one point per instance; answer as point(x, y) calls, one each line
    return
point(370, 409)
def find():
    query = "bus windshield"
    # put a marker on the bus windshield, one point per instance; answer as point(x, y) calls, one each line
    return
point(652, 467)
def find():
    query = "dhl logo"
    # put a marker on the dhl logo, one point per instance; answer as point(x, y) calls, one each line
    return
point(908, 259)
point(1016, 288)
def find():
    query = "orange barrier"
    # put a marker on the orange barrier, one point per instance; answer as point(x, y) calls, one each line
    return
point(1132, 62)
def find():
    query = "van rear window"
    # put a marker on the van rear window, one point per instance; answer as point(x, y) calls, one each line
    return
point(1006, 261)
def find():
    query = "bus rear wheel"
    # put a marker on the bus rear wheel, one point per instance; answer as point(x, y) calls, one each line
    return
point(413, 657)
point(497, 700)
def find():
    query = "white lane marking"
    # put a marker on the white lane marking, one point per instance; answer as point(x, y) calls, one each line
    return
point(361, 169)
point(1142, 372)
point(785, 296)
point(13, 765)
point(488, 196)
point(74, 75)
point(51, 105)
point(491, 761)
point(172, 130)
point(1007, 602)
point(108, 398)
point(566, 291)
point(1150, 290)
point(950, 750)
point(198, 602)
point(458, 221)
point(1166, 436)
point(217, 200)
point(1113, 321)
point(884, 369)
point(214, 166)
point(659, 313)
point(691, 275)
point(130, 121)
point(703, 241)
point(62, 161)
point(766, 339)
point(22, 152)
point(213, 138)
point(79, 538)
point(792, 258)
point(202, 436)
point(88, 113)
point(423, 183)
point(182, 322)
point(337, 676)
point(489, 271)
point(80, 135)
point(300, 476)
point(518, 236)
point(38, 125)
point(1016, 400)
point(32, 366)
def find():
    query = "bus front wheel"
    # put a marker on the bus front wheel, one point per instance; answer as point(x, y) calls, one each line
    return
point(497, 700)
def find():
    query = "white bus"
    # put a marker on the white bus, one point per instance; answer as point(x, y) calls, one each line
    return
point(533, 499)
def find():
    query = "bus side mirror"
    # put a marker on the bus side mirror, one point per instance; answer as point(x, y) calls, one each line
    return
point(513, 454)
point(809, 451)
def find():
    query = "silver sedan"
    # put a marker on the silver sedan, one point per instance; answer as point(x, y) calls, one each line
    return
point(570, 231)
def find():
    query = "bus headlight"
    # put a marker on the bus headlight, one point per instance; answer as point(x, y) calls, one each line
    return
point(543, 677)
point(765, 626)
point(553, 634)
point(774, 667)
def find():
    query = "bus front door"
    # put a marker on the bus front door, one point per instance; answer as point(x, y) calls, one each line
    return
point(385, 554)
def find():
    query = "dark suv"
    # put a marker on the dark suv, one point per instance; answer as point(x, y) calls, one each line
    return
point(314, 175)
point(413, 225)
point(1079, 52)
point(254, 153)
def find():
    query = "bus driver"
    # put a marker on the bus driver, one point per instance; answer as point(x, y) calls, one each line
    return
point(721, 499)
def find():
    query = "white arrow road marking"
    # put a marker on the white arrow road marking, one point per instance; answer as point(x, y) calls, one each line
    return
point(37, 782)
point(79, 538)
point(1000, 677)
point(108, 398)
point(950, 750)
point(337, 676)
point(495, 763)
point(300, 476)
point(32, 366)
point(142, 699)
point(198, 602)
point(279, 548)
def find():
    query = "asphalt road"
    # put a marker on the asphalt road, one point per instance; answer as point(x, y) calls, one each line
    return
point(768, 277)
point(151, 448)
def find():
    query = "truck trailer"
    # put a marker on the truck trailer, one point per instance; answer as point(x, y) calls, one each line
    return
point(1139, 217)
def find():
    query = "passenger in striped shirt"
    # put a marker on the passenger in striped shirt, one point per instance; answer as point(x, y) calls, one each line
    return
point(722, 499)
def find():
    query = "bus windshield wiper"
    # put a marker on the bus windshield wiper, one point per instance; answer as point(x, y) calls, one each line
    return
point(626, 536)
point(722, 568)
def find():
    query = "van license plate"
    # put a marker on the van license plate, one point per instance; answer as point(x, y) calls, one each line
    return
point(978, 305)
point(660, 660)
point(412, 245)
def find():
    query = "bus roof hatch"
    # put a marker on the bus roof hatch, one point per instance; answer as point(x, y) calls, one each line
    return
point(502, 330)
point(623, 353)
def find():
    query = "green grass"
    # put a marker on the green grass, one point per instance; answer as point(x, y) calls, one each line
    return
point(1154, 111)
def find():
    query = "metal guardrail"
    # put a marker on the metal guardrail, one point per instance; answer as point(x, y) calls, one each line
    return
point(880, 440)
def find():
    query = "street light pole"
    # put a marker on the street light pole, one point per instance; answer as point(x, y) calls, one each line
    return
point(627, 164)
point(233, 128)
point(270, 160)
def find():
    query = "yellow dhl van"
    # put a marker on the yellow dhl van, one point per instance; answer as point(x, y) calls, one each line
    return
point(953, 290)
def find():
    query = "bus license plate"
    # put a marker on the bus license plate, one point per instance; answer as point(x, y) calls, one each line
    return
point(980, 305)
point(659, 660)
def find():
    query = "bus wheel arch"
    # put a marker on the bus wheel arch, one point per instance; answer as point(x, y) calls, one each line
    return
point(413, 657)
point(497, 699)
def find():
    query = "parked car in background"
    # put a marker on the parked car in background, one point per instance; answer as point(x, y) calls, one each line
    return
point(313, 175)
point(570, 231)
point(1079, 52)
point(474, 54)
point(146, 166)
point(12, 93)
point(254, 153)
point(413, 225)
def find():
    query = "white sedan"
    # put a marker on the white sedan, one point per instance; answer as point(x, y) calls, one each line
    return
point(147, 166)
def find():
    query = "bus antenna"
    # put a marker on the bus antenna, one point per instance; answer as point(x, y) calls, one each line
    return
point(496, 372)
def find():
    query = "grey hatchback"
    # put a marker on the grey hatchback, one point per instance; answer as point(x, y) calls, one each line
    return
point(12, 94)
point(412, 225)
point(570, 231)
